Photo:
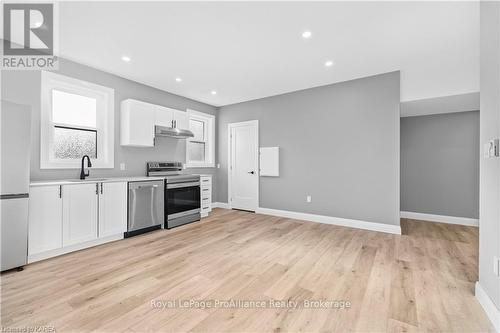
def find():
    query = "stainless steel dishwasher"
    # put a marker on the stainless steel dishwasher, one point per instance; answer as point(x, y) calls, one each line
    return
point(145, 206)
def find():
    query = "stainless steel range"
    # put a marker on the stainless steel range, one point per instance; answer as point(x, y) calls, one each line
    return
point(182, 193)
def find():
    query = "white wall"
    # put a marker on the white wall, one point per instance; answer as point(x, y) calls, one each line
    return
point(489, 207)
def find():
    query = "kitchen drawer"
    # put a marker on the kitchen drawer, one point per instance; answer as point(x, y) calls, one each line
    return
point(206, 203)
point(206, 180)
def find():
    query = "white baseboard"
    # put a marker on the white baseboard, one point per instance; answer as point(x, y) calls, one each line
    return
point(72, 248)
point(441, 218)
point(488, 306)
point(373, 226)
point(220, 205)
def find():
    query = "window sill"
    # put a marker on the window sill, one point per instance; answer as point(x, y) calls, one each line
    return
point(95, 165)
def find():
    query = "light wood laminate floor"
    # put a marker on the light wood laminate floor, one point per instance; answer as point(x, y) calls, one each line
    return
point(421, 281)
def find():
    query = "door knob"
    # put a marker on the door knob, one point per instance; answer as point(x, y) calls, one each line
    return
point(252, 172)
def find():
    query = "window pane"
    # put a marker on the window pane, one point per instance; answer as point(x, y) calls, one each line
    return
point(196, 151)
point(72, 109)
point(198, 129)
point(74, 143)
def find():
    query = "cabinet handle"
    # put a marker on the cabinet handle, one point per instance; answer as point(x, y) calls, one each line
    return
point(97, 188)
point(60, 191)
point(102, 186)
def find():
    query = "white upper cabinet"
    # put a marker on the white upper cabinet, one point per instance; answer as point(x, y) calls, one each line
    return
point(45, 219)
point(137, 123)
point(112, 208)
point(181, 120)
point(79, 213)
point(163, 116)
point(138, 120)
point(170, 117)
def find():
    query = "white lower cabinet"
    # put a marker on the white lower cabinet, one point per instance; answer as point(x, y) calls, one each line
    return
point(67, 218)
point(45, 219)
point(206, 194)
point(112, 208)
point(79, 213)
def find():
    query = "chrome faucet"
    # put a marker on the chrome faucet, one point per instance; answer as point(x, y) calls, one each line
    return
point(89, 165)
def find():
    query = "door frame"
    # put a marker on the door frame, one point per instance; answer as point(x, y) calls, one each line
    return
point(230, 126)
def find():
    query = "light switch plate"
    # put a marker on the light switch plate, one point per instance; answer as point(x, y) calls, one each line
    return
point(308, 198)
point(491, 148)
point(122, 166)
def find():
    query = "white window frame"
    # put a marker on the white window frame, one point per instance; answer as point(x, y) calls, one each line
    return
point(105, 114)
point(209, 121)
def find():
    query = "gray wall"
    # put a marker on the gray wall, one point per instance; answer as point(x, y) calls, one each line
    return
point(440, 164)
point(23, 87)
point(489, 207)
point(339, 143)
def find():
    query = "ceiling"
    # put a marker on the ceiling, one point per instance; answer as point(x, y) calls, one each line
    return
point(245, 51)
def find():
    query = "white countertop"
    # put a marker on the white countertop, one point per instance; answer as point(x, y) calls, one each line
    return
point(101, 180)
point(92, 180)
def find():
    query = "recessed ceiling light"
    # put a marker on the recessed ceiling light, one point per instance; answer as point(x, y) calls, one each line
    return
point(306, 34)
point(178, 79)
point(126, 58)
point(329, 63)
point(213, 92)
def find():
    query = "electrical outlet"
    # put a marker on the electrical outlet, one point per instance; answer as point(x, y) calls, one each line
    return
point(496, 266)
point(218, 165)
point(308, 198)
point(122, 166)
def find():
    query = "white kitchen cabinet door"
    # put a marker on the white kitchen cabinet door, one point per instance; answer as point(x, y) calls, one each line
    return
point(164, 116)
point(79, 213)
point(137, 123)
point(45, 219)
point(112, 208)
point(181, 120)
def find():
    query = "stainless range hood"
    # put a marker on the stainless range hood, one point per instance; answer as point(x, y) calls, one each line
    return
point(173, 132)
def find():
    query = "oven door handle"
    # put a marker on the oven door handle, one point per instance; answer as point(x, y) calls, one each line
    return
point(147, 186)
point(181, 185)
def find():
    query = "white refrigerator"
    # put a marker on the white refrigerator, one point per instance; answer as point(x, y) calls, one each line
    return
point(15, 137)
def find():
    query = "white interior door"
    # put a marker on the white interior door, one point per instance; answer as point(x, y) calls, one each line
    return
point(244, 165)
